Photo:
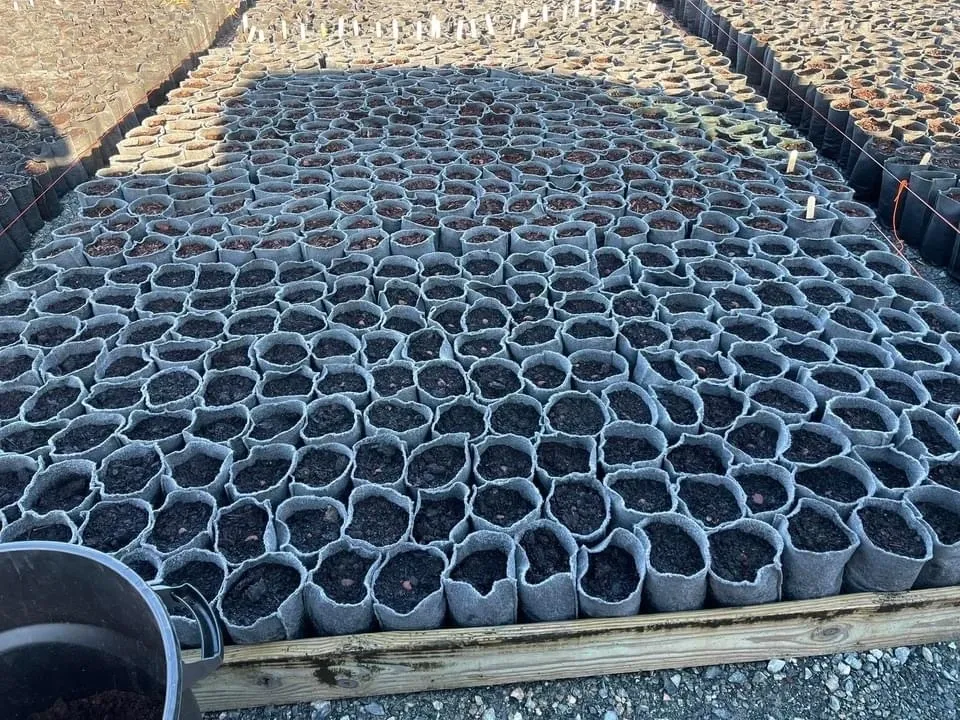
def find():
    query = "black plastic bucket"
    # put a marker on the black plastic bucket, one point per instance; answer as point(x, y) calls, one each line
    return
point(75, 623)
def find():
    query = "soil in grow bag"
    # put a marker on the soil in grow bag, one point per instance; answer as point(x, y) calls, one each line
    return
point(515, 418)
point(777, 400)
point(558, 459)
point(546, 554)
point(672, 550)
point(679, 408)
point(403, 325)
point(27, 440)
point(259, 593)
point(629, 406)
point(529, 313)
point(285, 354)
point(425, 346)
point(643, 335)
point(436, 467)
point(578, 507)
point(450, 319)
point(328, 419)
point(695, 460)
point(391, 379)
point(260, 475)
point(481, 569)
point(207, 577)
point(632, 306)
point(737, 556)
point(593, 370)
point(113, 704)
point(931, 438)
point(483, 318)
point(287, 385)
point(126, 476)
point(221, 430)
point(178, 524)
point(407, 578)
point(11, 401)
point(763, 492)
point(643, 494)
point(311, 529)
point(796, 324)
point(810, 448)
point(710, 504)
point(385, 414)
point(946, 392)
point(15, 367)
point(344, 382)
point(227, 390)
point(612, 575)
point(83, 438)
point(302, 323)
point(446, 291)
point(12, 485)
point(111, 527)
point(50, 337)
point(199, 471)
point(619, 450)
point(378, 521)
point(756, 440)
point(213, 279)
point(442, 381)
point(945, 523)
point(230, 358)
point(241, 533)
point(502, 461)
point(318, 467)
point(436, 518)
point(947, 475)
point(583, 330)
point(544, 376)
point(341, 576)
point(889, 475)
point(380, 464)
point(500, 506)
point(272, 425)
point(813, 531)
point(536, 335)
point(832, 483)
point(70, 491)
point(332, 347)
point(718, 410)
point(891, 532)
point(577, 416)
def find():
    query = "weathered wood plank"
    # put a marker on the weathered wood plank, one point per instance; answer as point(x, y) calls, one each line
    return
point(400, 662)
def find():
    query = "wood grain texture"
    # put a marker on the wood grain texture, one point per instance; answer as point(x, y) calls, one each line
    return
point(402, 662)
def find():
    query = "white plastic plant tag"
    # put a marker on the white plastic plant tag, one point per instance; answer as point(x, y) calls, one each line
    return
point(303, 31)
point(566, 12)
point(474, 31)
point(251, 34)
point(524, 19)
point(323, 30)
point(811, 207)
point(396, 30)
point(340, 28)
point(378, 29)
point(616, 6)
point(435, 27)
point(593, 8)
point(283, 28)
point(651, 8)
point(489, 25)
point(245, 22)
point(545, 13)
point(925, 160)
point(419, 31)
point(460, 30)
point(260, 35)
point(792, 161)
point(356, 28)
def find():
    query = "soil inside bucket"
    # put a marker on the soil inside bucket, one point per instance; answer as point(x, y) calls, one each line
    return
point(461, 419)
point(332, 347)
point(436, 518)
point(810, 447)
point(114, 526)
point(442, 381)
point(481, 569)
point(83, 438)
point(501, 506)
point(483, 318)
point(627, 405)
point(342, 382)
point(178, 524)
point(341, 576)
point(260, 475)
point(945, 523)
point(738, 556)
point(198, 471)
point(531, 312)
point(755, 439)
point(578, 507)
point(291, 385)
point(436, 467)
point(227, 390)
point(258, 593)
point(763, 492)
point(130, 475)
point(313, 528)
point(710, 504)
point(240, 533)
point(815, 532)
point(832, 483)
point(499, 462)
point(516, 418)
point(611, 575)
point(378, 521)
point(222, 429)
point(546, 554)
point(70, 490)
point(778, 401)
point(407, 578)
point(205, 576)
point(642, 335)
point(891, 532)
point(577, 416)
point(112, 704)
point(379, 463)
point(328, 419)
point(672, 550)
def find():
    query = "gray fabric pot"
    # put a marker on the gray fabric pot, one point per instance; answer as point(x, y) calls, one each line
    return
point(277, 490)
point(286, 623)
point(333, 510)
point(179, 462)
point(652, 487)
point(268, 540)
point(429, 612)
point(364, 492)
point(553, 598)
point(470, 608)
point(666, 591)
point(878, 458)
point(592, 606)
point(322, 470)
point(185, 626)
point(941, 570)
point(327, 615)
point(765, 586)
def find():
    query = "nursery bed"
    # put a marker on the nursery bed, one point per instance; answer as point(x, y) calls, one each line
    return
point(405, 662)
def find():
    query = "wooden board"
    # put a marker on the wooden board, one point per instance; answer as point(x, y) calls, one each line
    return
point(403, 662)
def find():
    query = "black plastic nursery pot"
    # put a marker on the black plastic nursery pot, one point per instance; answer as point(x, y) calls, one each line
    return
point(82, 636)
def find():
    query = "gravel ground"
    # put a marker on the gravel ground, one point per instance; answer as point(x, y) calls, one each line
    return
point(905, 683)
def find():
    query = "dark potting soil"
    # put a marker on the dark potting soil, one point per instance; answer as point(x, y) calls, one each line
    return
point(274, 424)
point(378, 521)
point(76, 361)
point(357, 319)
point(821, 295)
point(680, 410)
point(461, 419)
point(341, 576)
point(318, 467)
point(776, 400)
point(889, 475)
point(501, 506)
point(178, 524)
point(719, 411)
point(311, 529)
point(394, 416)
point(212, 279)
point(643, 494)
point(229, 358)
point(546, 554)
point(484, 318)
point(499, 462)
point(611, 574)
point(931, 438)
point(407, 578)
point(444, 291)
point(585, 329)
point(582, 306)
point(536, 335)
point(516, 418)
point(593, 370)
point(378, 349)
point(496, 381)
point(149, 332)
point(481, 267)
point(919, 352)
point(946, 474)
point(114, 526)
point(442, 381)
point(763, 492)
point(528, 291)
point(577, 415)
point(710, 504)
point(759, 366)
point(531, 312)
point(796, 324)
point(302, 323)
point(481, 347)
point(131, 474)
point(70, 490)
point(621, 450)
point(285, 354)
point(292, 384)
point(773, 296)
point(450, 320)
point(146, 570)
point(157, 427)
point(11, 401)
point(861, 418)
point(705, 368)
point(200, 328)
point(578, 507)
point(240, 533)
point(15, 366)
point(124, 366)
point(544, 376)
point(260, 475)
point(51, 401)
point(672, 550)
point(27, 440)
point(857, 359)
point(198, 471)
point(558, 459)
point(632, 306)
point(481, 569)
point(890, 532)
point(850, 319)
point(379, 463)
point(109, 705)
point(332, 347)
point(259, 592)
point(54, 532)
point(815, 532)
point(425, 346)
point(832, 483)
point(755, 439)
point(944, 391)
point(945, 523)
point(253, 278)
point(391, 379)
point(810, 447)
point(223, 429)
point(205, 576)
point(747, 331)
point(227, 389)
point(838, 380)
point(738, 556)
point(436, 518)
point(342, 382)
point(627, 405)
point(50, 337)
point(691, 332)
point(170, 387)
point(12, 485)
point(803, 353)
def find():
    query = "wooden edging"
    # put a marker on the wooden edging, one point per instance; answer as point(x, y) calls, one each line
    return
point(403, 662)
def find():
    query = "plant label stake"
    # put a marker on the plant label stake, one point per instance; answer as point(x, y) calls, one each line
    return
point(811, 207)
point(616, 6)
point(356, 28)
point(460, 30)
point(245, 22)
point(396, 31)
point(260, 35)
point(474, 32)
point(513, 27)
point(283, 28)
point(379, 29)
point(792, 161)
point(303, 31)
point(524, 19)
point(323, 29)
point(489, 25)
point(593, 9)
point(251, 34)
point(651, 8)
point(925, 160)
point(544, 13)
point(340, 24)
point(419, 31)
point(629, 5)
point(576, 8)
point(566, 10)
point(435, 27)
